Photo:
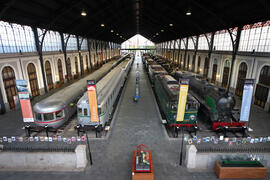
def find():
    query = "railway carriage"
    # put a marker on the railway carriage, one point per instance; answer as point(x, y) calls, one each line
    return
point(58, 108)
point(107, 92)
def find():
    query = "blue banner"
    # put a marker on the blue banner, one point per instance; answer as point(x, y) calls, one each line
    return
point(246, 99)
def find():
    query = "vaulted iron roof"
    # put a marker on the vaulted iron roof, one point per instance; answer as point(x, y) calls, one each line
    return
point(129, 17)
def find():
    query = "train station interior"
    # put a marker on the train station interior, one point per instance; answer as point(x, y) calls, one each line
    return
point(135, 89)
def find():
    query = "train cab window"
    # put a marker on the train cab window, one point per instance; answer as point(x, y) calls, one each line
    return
point(48, 117)
point(99, 110)
point(38, 116)
point(85, 112)
point(79, 111)
point(58, 114)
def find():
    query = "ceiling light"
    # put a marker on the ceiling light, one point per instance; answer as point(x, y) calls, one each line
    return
point(117, 34)
point(102, 25)
point(171, 25)
point(112, 30)
point(162, 30)
point(157, 34)
point(83, 13)
point(188, 13)
point(120, 36)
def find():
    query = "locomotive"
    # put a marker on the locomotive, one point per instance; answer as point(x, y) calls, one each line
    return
point(217, 104)
point(167, 90)
point(58, 108)
point(108, 89)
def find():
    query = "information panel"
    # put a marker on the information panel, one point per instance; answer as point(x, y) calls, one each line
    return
point(92, 97)
point(246, 99)
point(182, 100)
point(24, 98)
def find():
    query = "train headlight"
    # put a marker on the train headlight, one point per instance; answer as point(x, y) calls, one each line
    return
point(192, 117)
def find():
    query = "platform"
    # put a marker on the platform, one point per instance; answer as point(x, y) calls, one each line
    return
point(134, 123)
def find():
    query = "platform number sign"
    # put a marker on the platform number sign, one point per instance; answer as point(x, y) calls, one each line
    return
point(182, 99)
point(92, 97)
point(246, 99)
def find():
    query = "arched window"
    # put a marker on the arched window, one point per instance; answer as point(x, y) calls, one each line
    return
point(48, 71)
point(214, 72)
point(8, 76)
point(199, 65)
point(87, 64)
point(187, 66)
point(263, 87)
point(60, 71)
point(206, 66)
point(69, 68)
point(32, 75)
point(76, 68)
point(82, 64)
point(226, 72)
point(241, 79)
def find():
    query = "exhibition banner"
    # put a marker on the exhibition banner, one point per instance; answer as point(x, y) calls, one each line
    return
point(182, 99)
point(24, 97)
point(92, 97)
point(246, 99)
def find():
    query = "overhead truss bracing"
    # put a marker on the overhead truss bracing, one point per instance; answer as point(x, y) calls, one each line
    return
point(150, 18)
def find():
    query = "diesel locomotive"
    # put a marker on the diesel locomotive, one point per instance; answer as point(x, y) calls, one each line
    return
point(167, 91)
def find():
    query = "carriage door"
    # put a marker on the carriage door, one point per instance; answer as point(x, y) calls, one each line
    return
point(214, 72)
point(263, 86)
point(60, 71)
point(199, 65)
point(193, 64)
point(69, 69)
point(8, 76)
point(76, 68)
point(226, 72)
point(32, 75)
point(49, 75)
point(241, 79)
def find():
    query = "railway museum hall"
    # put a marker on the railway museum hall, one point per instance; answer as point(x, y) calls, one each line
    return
point(95, 89)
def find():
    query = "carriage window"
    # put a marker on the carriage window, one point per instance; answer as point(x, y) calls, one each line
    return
point(58, 114)
point(38, 116)
point(48, 117)
point(85, 112)
point(79, 111)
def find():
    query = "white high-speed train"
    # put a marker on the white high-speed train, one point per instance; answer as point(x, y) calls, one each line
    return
point(56, 109)
point(108, 89)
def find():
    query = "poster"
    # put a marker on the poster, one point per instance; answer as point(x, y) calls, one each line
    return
point(24, 98)
point(183, 91)
point(92, 97)
point(246, 99)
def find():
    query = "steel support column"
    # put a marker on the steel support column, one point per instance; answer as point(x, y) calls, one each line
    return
point(185, 54)
point(89, 51)
point(210, 45)
point(64, 49)
point(235, 44)
point(39, 50)
point(79, 44)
